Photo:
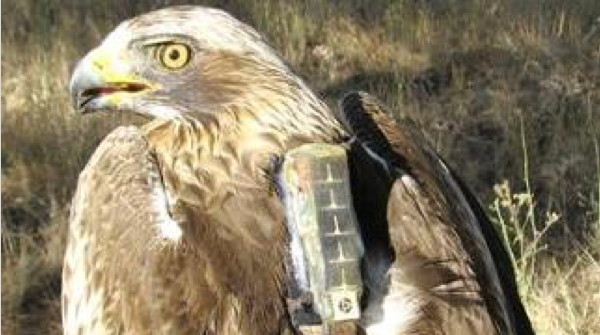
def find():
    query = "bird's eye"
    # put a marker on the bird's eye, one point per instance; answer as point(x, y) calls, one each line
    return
point(173, 56)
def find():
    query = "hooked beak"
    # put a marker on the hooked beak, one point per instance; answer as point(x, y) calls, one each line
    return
point(102, 81)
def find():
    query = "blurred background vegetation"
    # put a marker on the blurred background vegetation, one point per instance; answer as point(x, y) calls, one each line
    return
point(507, 90)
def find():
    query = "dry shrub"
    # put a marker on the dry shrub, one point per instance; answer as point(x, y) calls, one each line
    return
point(561, 294)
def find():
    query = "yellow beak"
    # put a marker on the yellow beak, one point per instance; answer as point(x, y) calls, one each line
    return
point(104, 81)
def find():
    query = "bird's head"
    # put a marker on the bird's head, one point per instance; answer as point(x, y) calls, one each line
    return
point(175, 62)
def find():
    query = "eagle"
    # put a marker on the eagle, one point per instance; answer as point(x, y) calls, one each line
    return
point(176, 226)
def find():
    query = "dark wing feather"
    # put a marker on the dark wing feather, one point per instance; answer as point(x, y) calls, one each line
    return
point(438, 245)
point(501, 259)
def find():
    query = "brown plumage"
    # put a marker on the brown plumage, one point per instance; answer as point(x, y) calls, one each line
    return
point(443, 245)
point(176, 229)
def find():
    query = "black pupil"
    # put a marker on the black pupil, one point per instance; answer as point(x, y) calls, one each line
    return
point(173, 54)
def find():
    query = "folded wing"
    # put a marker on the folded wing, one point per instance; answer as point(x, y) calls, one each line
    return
point(433, 262)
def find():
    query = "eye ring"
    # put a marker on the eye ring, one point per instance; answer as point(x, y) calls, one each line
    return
point(173, 56)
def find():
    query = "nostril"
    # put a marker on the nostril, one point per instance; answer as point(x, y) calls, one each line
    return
point(99, 65)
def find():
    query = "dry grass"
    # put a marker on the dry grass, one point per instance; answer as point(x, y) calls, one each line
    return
point(508, 91)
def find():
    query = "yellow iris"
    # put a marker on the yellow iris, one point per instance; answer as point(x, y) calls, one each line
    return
point(173, 56)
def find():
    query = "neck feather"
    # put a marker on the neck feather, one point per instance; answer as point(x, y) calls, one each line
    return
point(233, 150)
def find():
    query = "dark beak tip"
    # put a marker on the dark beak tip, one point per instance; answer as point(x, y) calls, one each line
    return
point(77, 103)
point(82, 104)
